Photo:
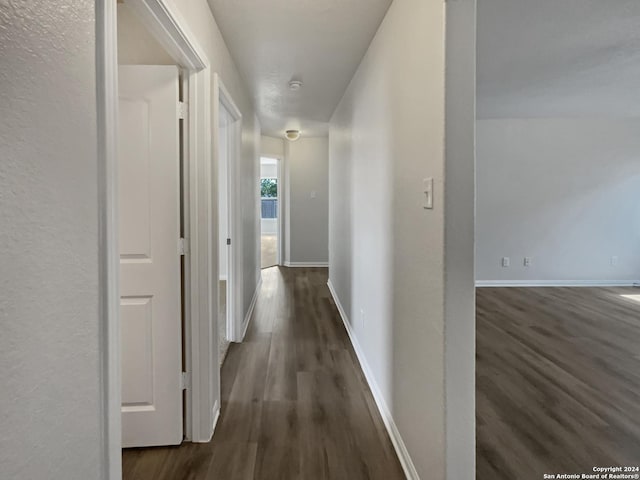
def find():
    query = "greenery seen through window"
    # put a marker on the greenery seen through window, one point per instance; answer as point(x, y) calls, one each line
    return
point(268, 188)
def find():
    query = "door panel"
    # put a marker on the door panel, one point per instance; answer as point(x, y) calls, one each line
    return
point(135, 205)
point(149, 199)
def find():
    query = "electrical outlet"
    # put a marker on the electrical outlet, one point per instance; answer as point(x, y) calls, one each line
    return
point(527, 261)
point(614, 261)
point(506, 262)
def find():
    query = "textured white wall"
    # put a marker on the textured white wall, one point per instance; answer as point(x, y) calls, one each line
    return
point(387, 252)
point(565, 192)
point(50, 401)
point(307, 164)
point(200, 21)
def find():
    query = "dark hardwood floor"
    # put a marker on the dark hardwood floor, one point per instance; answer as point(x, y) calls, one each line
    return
point(295, 404)
point(558, 381)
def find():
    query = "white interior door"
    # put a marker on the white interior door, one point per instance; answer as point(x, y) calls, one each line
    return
point(150, 306)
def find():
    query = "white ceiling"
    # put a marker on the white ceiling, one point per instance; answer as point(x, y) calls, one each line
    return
point(558, 58)
point(320, 42)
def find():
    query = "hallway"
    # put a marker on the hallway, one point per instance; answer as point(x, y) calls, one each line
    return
point(295, 404)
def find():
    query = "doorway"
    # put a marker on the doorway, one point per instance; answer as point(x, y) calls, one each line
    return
point(150, 168)
point(196, 378)
point(227, 136)
point(270, 187)
point(227, 153)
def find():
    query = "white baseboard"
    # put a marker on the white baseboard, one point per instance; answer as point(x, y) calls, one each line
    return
point(306, 264)
point(557, 283)
point(252, 306)
point(401, 449)
point(216, 416)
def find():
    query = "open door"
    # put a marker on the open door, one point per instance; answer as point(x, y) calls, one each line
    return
point(150, 306)
point(269, 212)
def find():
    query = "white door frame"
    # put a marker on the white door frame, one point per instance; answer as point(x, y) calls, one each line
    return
point(221, 96)
point(280, 256)
point(279, 176)
point(201, 343)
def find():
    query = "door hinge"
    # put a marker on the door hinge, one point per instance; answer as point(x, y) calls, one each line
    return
point(183, 246)
point(183, 110)
point(185, 381)
point(228, 241)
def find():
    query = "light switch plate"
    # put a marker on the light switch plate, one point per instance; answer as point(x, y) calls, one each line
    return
point(428, 193)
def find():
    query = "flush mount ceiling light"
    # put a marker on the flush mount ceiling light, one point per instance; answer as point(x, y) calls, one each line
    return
point(295, 85)
point(292, 135)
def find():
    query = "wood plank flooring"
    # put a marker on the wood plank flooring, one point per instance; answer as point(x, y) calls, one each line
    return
point(295, 404)
point(558, 381)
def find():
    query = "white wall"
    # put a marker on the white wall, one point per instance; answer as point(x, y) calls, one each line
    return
point(50, 401)
point(459, 239)
point(387, 253)
point(307, 201)
point(271, 147)
point(136, 46)
point(200, 21)
point(565, 192)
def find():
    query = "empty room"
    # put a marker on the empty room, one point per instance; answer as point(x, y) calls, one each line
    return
point(557, 238)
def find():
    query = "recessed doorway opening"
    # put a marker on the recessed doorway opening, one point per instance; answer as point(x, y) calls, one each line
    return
point(228, 149)
point(269, 212)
